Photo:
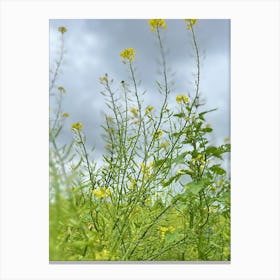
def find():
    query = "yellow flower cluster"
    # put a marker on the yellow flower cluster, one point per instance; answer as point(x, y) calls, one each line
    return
point(190, 22)
point(199, 158)
point(201, 162)
point(134, 111)
point(77, 126)
point(149, 109)
point(128, 55)
point(146, 169)
point(101, 192)
point(62, 29)
point(157, 23)
point(165, 230)
point(182, 98)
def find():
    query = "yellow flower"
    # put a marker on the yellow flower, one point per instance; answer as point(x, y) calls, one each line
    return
point(77, 126)
point(149, 109)
point(198, 158)
point(65, 115)
point(190, 22)
point(182, 98)
point(101, 192)
point(128, 55)
point(62, 29)
point(102, 256)
point(213, 188)
point(171, 228)
point(157, 23)
point(158, 134)
point(146, 169)
point(134, 111)
point(103, 80)
point(165, 230)
point(201, 167)
point(98, 193)
point(61, 89)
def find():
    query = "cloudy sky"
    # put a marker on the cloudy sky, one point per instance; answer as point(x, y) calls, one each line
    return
point(93, 48)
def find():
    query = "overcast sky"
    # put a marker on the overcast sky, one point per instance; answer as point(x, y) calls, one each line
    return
point(93, 48)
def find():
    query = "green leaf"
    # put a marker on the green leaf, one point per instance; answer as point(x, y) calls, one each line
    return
point(207, 129)
point(226, 148)
point(170, 180)
point(176, 134)
point(225, 198)
point(79, 244)
point(201, 115)
point(215, 245)
point(159, 162)
point(180, 159)
point(213, 151)
point(179, 197)
point(195, 187)
point(181, 115)
point(217, 169)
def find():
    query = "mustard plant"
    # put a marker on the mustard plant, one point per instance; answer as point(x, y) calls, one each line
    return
point(161, 192)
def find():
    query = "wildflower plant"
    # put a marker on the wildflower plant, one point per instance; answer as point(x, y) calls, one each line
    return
point(161, 193)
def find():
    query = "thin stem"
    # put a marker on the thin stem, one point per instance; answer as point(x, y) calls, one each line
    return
point(58, 64)
point(87, 160)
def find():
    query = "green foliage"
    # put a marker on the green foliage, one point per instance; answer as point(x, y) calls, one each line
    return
point(161, 193)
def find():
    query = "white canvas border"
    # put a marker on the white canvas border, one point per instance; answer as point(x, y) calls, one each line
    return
point(254, 132)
